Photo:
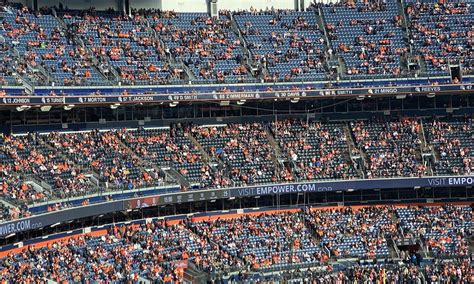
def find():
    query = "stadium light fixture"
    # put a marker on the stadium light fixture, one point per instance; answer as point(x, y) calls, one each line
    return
point(241, 102)
point(55, 224)
point(23, 108)
point(401, 97)
point(295, 100)
point(173, 104)
point(360, 98)
point(45, 108)
point(69, 107)
point(114, 106)
point(431, 95)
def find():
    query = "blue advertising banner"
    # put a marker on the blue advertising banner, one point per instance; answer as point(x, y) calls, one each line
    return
point(47, 219)
point(353, 185)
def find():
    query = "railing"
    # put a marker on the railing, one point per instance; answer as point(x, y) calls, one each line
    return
point(29, 89)
point(348, 83)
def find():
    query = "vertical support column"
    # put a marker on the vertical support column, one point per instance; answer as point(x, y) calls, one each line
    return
point(302, 6)
point(124, 6)
point(32, 4)
point(299, 5)
point(212, 8)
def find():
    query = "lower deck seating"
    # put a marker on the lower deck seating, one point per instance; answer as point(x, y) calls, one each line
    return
point(265, 241)
point(445, 230)
point(255, 244)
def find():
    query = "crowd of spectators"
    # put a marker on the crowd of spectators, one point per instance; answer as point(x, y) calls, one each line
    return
point(166, 47)
point(442, 34)
point(154, 251)
point(286, 241)
point(42, 42)
point(244, 149)
point(172, 147)
point(445, 230)
point(288, 44)
point(129, 44)
point(392, 147)
point(359, 233)
point(13, 69)
point(452, 142)
point(438, 271)
point(459, 271)
point(14, 188)
point(103, 153)
point(67, 164)
point(378, 274)
point(28, 157)
point(207, 45)
point(318, 150)
point(264, 241)
point(36, 168)
point(367, 35)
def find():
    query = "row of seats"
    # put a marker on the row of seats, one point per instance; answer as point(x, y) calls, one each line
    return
point(154, 47)
point(103, 153)
point(159, 251)
point(447, 232)
point(368, 37)
point(42, 42)
point(355, 233)
point(288, 44)
point(128, 44)
point(207, 45)
point(392, 148)
point(318, 151)
point(67, 164)
point(244, 149)
point(452, 141)
point(264, 241)
point(169, 147)
point(442, 34)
